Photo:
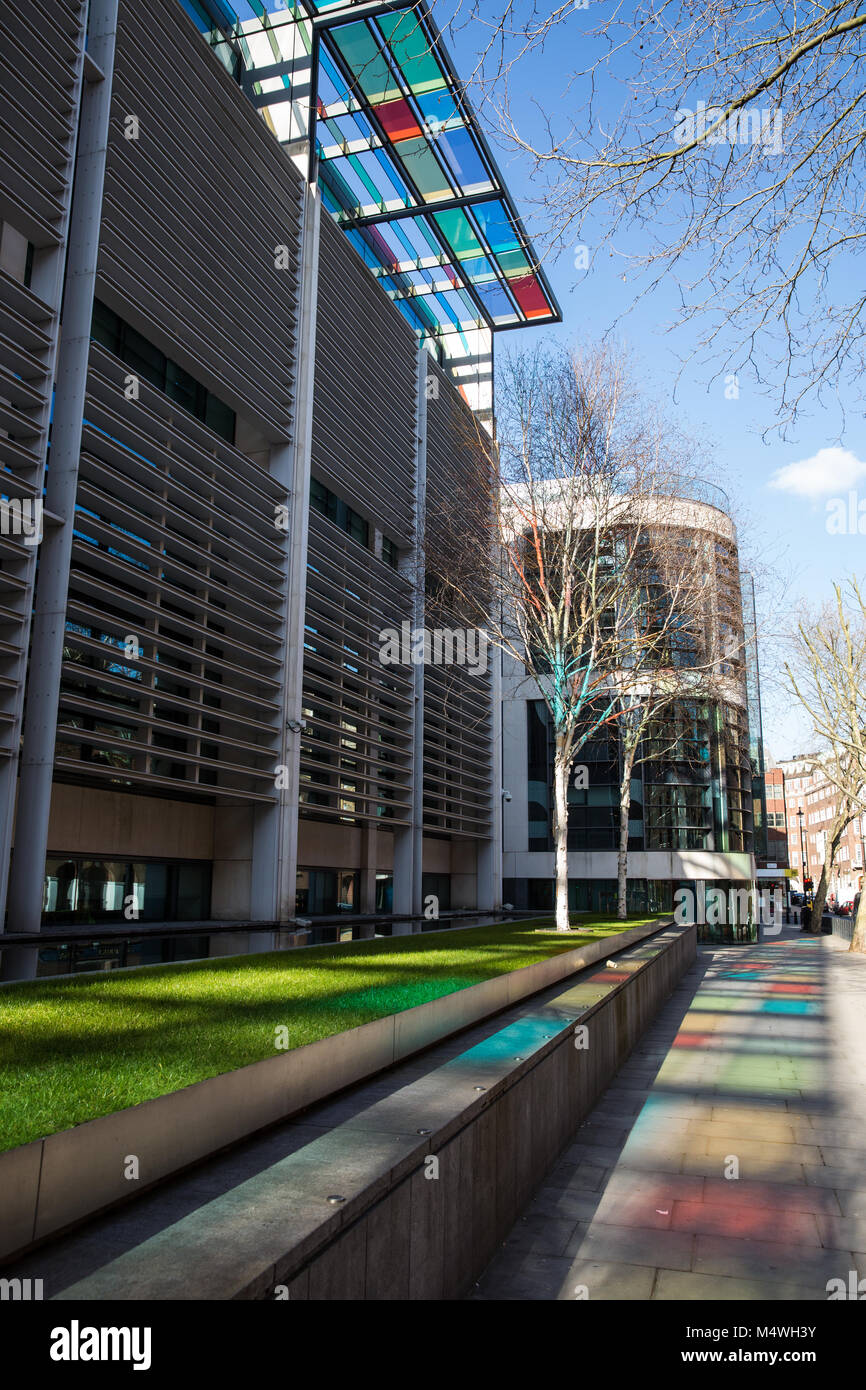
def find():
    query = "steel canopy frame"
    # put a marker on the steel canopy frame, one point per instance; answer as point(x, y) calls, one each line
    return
point(332, 19)
point(521, 290)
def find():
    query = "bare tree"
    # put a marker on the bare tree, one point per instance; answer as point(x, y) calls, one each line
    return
point(729, 135)
point(827, 674)
point(575, 486)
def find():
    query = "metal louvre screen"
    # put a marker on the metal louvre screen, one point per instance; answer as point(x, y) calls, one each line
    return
point(198, 199)
point(457, 696)
point(173, 663)
point(41, 52)
point(356, 752)
point(364, 412)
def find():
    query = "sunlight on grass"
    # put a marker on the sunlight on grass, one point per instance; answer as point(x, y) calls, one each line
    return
point(76, 1047)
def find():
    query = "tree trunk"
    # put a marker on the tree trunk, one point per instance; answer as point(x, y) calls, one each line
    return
point(622, 859)
point(858, 940)
point(820, 898)
point(561, 770)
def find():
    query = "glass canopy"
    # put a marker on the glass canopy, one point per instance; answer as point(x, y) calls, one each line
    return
point(400, 159)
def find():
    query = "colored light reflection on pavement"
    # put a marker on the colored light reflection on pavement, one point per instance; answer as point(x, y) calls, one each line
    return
point(727, 1159)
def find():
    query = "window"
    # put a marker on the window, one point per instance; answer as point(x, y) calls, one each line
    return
point(389, 552)
point(338, 511)
point(81, 890)
point(123, 341)
point(325, 892)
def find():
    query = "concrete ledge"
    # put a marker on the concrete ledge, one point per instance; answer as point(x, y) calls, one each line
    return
point(53, 1183)
point(491, 1121)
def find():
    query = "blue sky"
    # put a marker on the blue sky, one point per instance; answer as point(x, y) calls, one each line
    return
point(784, 508)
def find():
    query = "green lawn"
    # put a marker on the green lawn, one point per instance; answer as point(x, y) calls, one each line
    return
point(76, 1047)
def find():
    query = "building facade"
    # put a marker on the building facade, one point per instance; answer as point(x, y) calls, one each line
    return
point(252, 265)
point(807, 789)
point(692, 818)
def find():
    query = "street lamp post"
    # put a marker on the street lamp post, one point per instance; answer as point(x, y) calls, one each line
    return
point(804, 855)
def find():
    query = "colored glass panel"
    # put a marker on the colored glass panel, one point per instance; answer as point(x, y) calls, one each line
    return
point(423, 169)
point(397, 120)
point(479, 270)
point(463, 158)
point(367, 63)
point(514, 263)
point(438, 109)
point(496, 227)
point(388, 168)
point(497, 303)
point(412, 52)
point(456, 227)
point(530, 296)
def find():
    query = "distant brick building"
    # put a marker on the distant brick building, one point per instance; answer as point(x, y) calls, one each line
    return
point(806, 790)
point(777, 823)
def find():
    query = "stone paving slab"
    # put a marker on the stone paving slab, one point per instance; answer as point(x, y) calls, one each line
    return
point(727, 1160)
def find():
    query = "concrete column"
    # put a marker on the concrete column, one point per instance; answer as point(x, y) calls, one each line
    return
point(270, 828)
point(40, 722)
point(287, 837)
point(369, 865)
point(409, 840)
point(47, 284)
point(489, 861)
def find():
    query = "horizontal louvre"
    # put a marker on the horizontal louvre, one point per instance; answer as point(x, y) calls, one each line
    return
point(457, 703)
point(194, 211)
point(356, 750)
point(364, 405)
point(175, 546)
point(39, 91)
point(41, 56)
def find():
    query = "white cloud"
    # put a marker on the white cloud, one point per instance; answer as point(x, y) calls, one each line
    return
point(830, 471)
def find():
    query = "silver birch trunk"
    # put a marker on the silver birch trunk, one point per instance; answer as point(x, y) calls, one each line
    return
point(560, 832)
point(622, 858)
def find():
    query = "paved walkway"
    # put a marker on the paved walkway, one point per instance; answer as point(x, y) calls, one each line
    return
point(728, 1158)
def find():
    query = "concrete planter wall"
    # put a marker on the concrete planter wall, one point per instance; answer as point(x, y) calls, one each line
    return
point(494, 1119)
point(52, 1183)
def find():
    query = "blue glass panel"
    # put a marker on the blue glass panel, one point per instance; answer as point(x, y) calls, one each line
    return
point(495, 224)
point(496, 301)
point(479, 268)
point(462, 154)
point(437, 108)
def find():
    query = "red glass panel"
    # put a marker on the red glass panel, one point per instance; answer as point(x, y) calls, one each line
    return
point(530, 296)
point(397, 119)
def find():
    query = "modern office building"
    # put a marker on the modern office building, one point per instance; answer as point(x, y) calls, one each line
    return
point(252, 265)
point(692, 818)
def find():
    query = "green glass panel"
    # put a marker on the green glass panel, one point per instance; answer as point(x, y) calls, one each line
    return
point(457, 229)
point(423, 168)
point(411, 48)
point(367, 62)
point(514, 263)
